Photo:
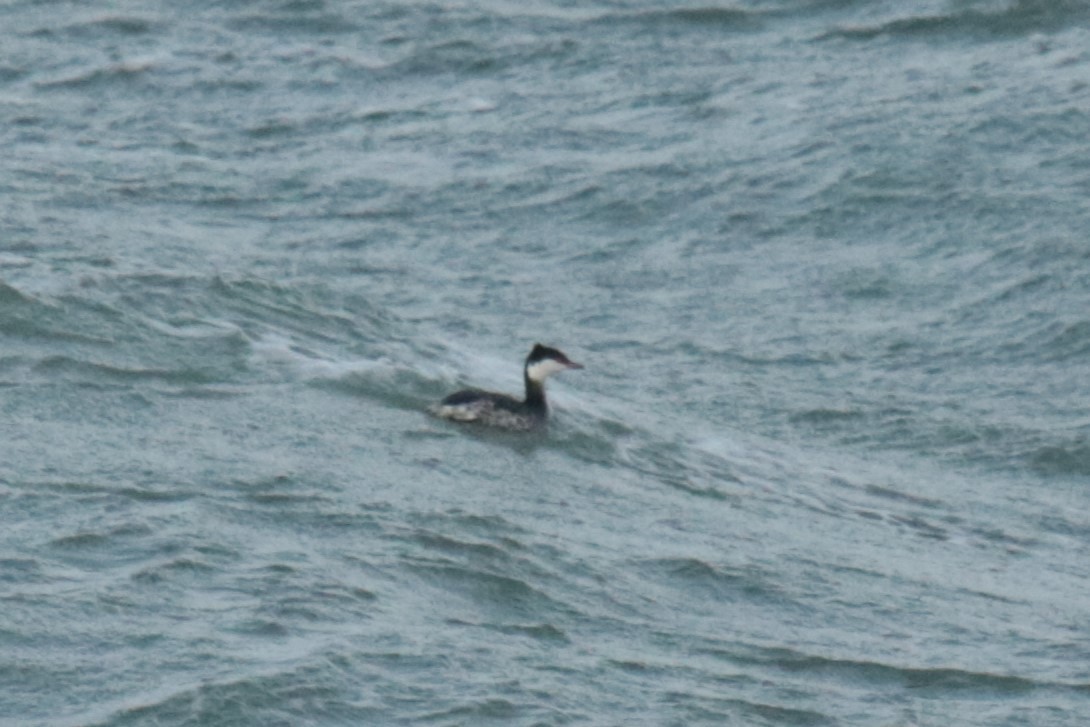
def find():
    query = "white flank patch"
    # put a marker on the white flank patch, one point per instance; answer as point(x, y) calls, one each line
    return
point(456, 413)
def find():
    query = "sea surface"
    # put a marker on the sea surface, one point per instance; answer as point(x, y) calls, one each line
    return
point(827, 264)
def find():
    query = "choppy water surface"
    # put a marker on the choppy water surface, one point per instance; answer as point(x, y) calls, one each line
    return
point(827, 265)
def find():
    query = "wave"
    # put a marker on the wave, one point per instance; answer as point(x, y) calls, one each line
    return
point(301, 23)
point(1062, 459)
point(1067, 340)
point(924, 680)
point(152, 491)
point(37, 319)
point(114, 74)
point(97, 26)
point(691, 577)
point(64, 367)
point(1020, 18)
point(188, 331)
point(708, 17)
point(272, 697)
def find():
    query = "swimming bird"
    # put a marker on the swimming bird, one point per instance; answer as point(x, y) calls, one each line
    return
point(507, 412)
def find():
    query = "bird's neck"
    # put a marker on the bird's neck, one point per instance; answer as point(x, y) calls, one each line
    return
point(535, 393)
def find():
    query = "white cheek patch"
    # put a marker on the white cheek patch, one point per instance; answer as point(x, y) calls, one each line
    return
point(543, 369)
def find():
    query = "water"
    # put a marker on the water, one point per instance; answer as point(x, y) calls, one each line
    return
point(827, 266)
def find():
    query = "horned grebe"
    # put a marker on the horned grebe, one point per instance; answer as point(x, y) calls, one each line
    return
point(507, 412)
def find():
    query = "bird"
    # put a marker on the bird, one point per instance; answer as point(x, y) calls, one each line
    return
point(504, 411)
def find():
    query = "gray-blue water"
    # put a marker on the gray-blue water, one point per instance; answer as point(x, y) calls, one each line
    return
point(827, 264)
